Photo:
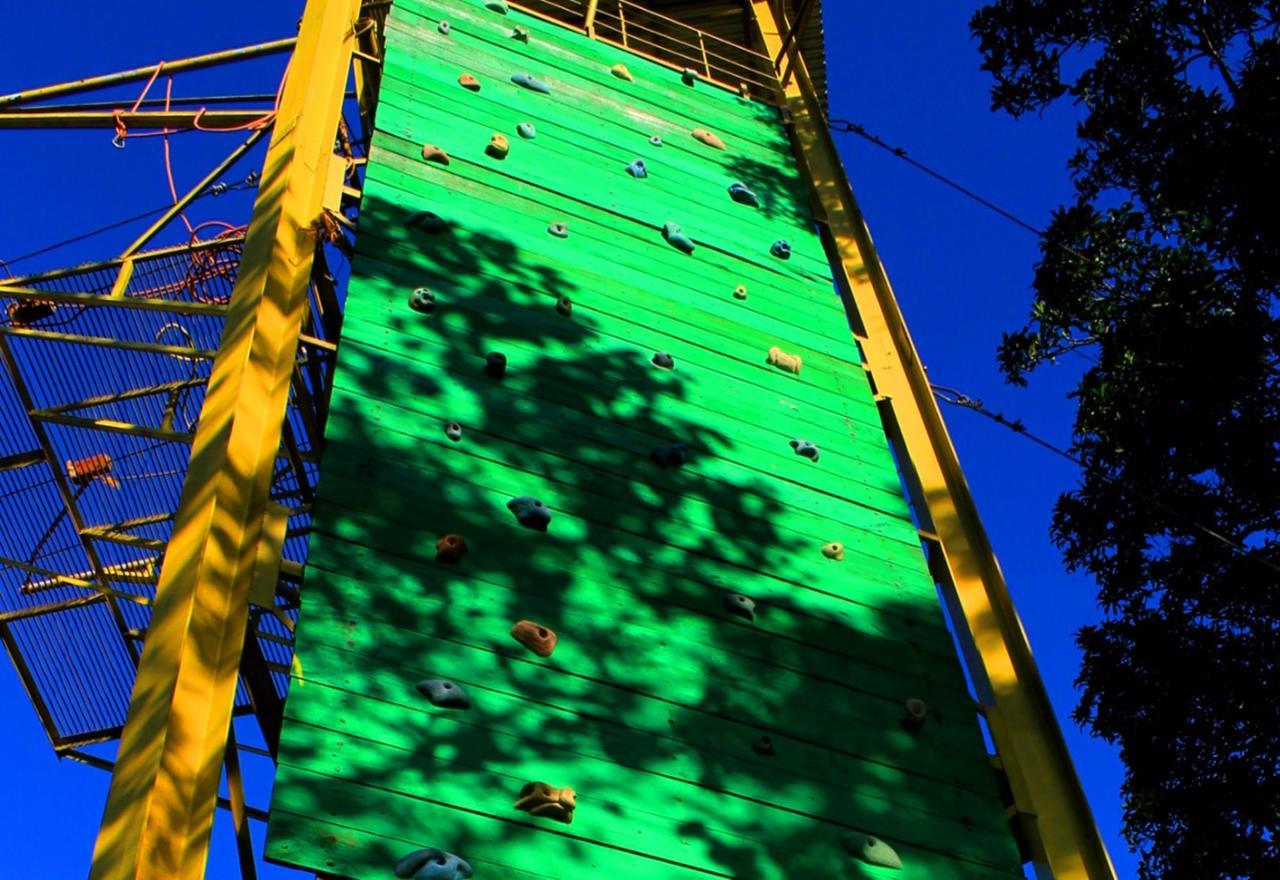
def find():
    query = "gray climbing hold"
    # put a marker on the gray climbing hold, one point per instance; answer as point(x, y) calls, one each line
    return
point(914, 714)
point(674, 455)
point(664, 361)
point(444, 27)
point(871, 850)
point(637, 168)
point(781, 249)
point(495, 364)
point(740, 606)
point(429, 222)
point(422, 300)
point(498, 6)
point(453, 430)
point(526, 130)
point(739, 193)
point(655, 140)
point(521, 33)
point(564, 305)
point(530, 512)
point(559, 230)
point(763, 745)
point(676, 238)
point(444, 694)
point(805, 449)
point(688, 77)
point(433, 864)
point(531, 82)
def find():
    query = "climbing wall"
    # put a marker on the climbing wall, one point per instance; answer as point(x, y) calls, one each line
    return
point(612, 574)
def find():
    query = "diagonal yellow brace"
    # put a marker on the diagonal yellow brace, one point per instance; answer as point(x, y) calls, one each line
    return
point(1050, 803)
point(164, 789)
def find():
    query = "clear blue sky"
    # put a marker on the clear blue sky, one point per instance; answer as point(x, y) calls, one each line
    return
point(907, 71)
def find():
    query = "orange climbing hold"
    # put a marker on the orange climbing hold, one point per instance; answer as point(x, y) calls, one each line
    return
point(791, 363)
point(450, 549)
point(432, 153)
point(467, 81)
point(537, 638)
point(708, 138)
point(547, 802)
point(83, 471)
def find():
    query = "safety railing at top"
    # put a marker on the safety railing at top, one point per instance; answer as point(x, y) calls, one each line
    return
point(665, 40)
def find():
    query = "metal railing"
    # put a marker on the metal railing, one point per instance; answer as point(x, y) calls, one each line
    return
point(667, 41)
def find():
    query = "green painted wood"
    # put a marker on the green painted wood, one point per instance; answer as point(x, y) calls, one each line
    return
point(651, 702)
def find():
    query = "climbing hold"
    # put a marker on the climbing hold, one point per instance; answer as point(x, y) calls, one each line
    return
point(806, 449)
point(547, 802)
point(444, 694)
point(663, 360)
point(791, 363)
point(495, 364)
point(530, 512)
point(429, 222)
point(688, 77)
point(564, 305)
point(453, 431)
point(739, 193)
point(444, 27)
point(467, 81)
point(708, 138)
point(433, 864)
point(498, 6)
point(655, 140)
point(526, 130)
point(534, 636)
point(740, 606)
point(740, 292)
point(432, 153)
point(670, 456)
point(451, 549)
point(559, 230)
point(521, 33)
point(763, 745)
point(781, 249)
point(498, 146)
point(637, 169)
point(871, 850)
point(422, 300)
point(529, 81)
point(676, 238)
point(744, 91)
point(914, 713)
point(833, 550)
point(621, 72)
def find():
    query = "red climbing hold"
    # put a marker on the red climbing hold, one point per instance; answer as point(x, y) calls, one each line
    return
point(450, 549)
point(534, 636)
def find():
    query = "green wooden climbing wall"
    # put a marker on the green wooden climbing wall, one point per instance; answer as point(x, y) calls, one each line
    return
point(699, 742)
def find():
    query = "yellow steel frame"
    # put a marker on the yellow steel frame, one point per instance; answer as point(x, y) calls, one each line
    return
point(1050, 807)
point(164, 788)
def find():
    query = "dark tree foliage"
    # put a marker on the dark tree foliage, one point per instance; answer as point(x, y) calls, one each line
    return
point(1163, 272)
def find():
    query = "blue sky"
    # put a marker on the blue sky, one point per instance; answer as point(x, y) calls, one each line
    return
point(907, 71)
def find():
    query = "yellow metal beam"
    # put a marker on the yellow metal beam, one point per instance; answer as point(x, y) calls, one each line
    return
point(1052, 809)
point(164, 788)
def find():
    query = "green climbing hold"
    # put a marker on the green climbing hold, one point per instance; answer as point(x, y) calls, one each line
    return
point(621, 72)
point(531, 82)
point(498, 6)
point(526, 130)
point(871, 850)
point(688, 77)
point(676, 238)
point(521, 33)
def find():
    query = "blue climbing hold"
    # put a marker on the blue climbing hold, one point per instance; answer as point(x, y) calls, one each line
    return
point(526, 130)
point(676, 238)
point(674, 455)
point(444, 694)
point(637, 168)
point(529, 81)
point(739, 193)
point(429, 222)
point(805, 449)
point(422, 300)
point(530, 512)
point(781, 249)
point(655, 140)
point(433, 864)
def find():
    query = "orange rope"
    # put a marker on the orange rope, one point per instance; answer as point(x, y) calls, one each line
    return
point(121, 131)
point(168, 163)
